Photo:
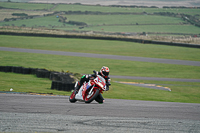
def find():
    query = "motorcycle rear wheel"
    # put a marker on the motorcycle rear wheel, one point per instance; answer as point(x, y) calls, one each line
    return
point(72, 97)
point(92, 97)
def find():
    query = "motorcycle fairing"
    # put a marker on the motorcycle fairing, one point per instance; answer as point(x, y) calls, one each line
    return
point(81, 93)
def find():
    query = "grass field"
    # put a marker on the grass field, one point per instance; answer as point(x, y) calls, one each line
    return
point(65, 7)
point(188, 92)
point(181, 91)
point(80, 65)
point(47, 22)
point(7, 13)
point(146, 28)
point(27, 83)
point(71, 7)
point(108, 24)
point(123, 19)
point(107, 47)
point(105, 23)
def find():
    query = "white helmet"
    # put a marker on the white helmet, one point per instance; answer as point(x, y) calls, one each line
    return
point(104, 71)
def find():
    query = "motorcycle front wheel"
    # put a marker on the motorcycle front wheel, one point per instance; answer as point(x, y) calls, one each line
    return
point(99, 98)
point(90, 98)
point(72, 97)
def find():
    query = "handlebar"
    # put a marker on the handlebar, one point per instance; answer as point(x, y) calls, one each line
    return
point(94, 72)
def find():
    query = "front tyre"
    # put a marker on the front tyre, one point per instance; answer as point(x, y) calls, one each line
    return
point(72, 97)
point(90, 98)
point(99, 98)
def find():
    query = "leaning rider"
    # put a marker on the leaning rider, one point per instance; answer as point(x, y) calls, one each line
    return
point(104, 72)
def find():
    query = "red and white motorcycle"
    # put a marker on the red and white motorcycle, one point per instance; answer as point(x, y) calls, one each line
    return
point(90, 91)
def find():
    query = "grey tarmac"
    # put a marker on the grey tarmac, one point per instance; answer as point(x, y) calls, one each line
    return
point(38, 113)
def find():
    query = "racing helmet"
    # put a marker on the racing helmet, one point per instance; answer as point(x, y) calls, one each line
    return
point(104, 71)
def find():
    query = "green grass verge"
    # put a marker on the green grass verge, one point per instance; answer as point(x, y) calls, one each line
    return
point(27, 83)
point(85, 65)
point(101, 47)
point(181, 92)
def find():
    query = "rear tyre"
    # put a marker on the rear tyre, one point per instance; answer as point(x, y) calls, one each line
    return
point(90, 98)
point(72, 97)
point(99, 98)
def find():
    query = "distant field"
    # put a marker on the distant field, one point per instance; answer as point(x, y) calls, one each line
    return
point(147, 28)
point(123, 19)
point(36, 22)
point(104, 23)
point(108, 23)
point(26, 6)
point(158, 3)
point(7, 13)
point(83, 8)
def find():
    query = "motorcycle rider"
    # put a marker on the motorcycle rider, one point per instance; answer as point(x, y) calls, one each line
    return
point(104, 72)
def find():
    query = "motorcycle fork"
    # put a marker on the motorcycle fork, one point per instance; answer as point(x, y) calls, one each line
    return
point(89, 91)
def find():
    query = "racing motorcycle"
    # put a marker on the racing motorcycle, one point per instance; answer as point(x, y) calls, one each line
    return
point(90, 91)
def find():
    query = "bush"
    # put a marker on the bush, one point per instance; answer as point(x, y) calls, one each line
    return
point(20, 14)
point(77, 23)
point(6, 19)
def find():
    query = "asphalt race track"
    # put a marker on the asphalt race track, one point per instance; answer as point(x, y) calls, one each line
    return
point(130, 58)
point(38, 113)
